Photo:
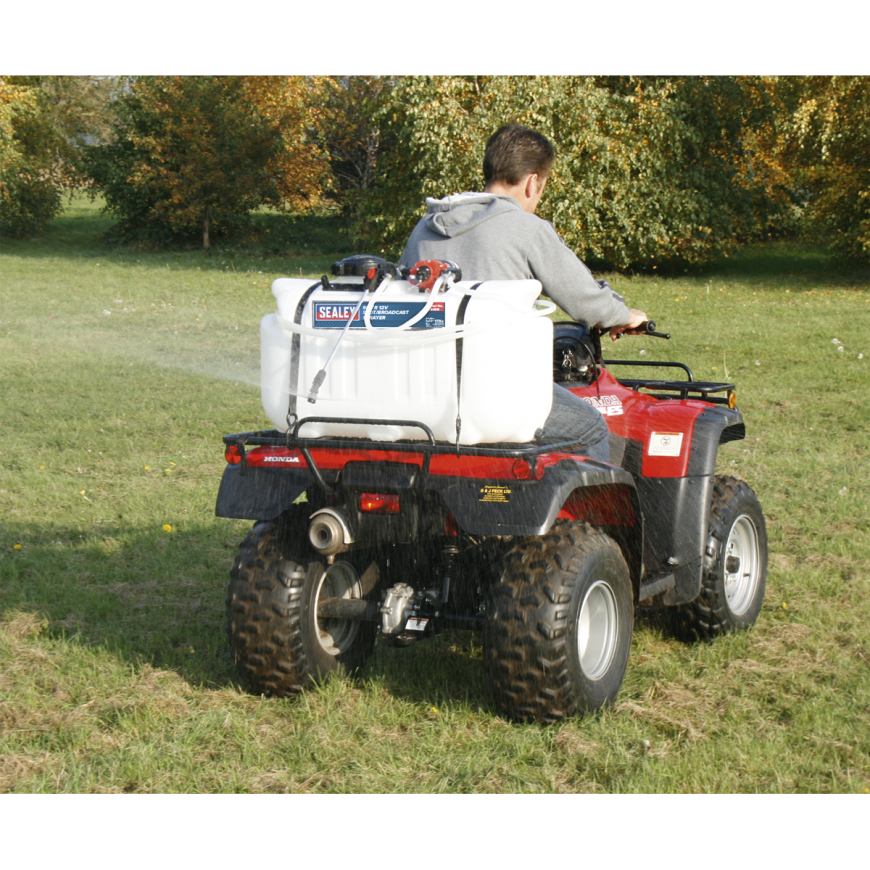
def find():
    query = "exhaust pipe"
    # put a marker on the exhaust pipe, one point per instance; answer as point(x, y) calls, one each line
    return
point(329, 532)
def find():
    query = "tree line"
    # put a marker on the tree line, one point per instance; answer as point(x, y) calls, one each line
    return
point(650, 170)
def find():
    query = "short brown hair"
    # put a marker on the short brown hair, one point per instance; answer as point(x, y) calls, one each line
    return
point(513, 152)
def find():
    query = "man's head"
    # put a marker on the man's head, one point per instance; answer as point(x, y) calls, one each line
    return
point(514, 152)
point(516, 163)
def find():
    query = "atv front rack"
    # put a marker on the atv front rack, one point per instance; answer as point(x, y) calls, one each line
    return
point(674, 389)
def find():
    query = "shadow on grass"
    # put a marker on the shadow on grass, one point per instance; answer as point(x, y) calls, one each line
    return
point(783, 262)
point(147, 596)
point(444, 671)
point(290, 243)
point(157, 597)
point(296, 244)
point(778, 264)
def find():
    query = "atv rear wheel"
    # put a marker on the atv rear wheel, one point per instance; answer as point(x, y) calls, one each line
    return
point(278, 642)
point(558, 625)
point(735, 566)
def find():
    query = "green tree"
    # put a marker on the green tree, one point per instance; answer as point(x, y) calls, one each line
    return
point(15, 101)
point(349, 132)
point(31, 159)
point(43, 123)
point(830, 146)
point(79, 110)
point(196, 154)
point(647, 169)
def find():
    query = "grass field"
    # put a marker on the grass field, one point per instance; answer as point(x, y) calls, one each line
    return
point(121, 371)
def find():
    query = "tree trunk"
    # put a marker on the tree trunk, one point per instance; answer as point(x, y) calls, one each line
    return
point(205, 241)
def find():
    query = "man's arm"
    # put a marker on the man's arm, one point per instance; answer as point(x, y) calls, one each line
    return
point(568, 282)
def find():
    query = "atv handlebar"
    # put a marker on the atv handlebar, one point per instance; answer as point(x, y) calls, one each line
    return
point(648, 327)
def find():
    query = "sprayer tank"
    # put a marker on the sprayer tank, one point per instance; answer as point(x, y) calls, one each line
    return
point(398, 359)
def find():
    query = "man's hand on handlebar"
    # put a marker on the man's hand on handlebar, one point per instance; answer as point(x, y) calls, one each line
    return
point(635, 324)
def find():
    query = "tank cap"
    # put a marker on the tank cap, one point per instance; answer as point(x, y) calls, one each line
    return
point(358, 265)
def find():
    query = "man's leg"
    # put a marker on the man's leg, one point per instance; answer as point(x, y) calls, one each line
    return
point(572, 419)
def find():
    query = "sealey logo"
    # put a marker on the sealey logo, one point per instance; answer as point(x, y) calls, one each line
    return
point(327, 312)
point(610, 406)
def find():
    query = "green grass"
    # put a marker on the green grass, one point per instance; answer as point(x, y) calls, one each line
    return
point(122, 369)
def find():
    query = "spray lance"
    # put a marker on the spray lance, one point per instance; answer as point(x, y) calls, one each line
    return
point(377, 276)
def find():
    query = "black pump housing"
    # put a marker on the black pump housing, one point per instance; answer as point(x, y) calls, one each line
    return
point(358, 266)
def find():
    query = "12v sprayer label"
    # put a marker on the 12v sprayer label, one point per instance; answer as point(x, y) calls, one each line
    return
point(334, 315)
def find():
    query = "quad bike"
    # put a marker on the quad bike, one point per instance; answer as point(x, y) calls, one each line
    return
point(545, 551)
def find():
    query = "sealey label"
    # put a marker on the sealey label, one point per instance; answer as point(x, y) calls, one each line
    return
point(332, 315)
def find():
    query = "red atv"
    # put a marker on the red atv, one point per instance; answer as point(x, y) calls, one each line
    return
point(544, 550)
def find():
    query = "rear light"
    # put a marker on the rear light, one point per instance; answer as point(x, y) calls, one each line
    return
point(233, 454)
point(522, 469)
point(379, 503)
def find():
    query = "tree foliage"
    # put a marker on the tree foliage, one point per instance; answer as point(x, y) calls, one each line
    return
point(830, 144)
point(43, 123)
point(198, 153)
point(77, 111)
point(646, 169)
point(293, 107)
point(649, 170)
point(15, 102)
point(348, 130)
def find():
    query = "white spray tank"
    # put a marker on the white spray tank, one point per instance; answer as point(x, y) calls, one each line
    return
point(477, 352)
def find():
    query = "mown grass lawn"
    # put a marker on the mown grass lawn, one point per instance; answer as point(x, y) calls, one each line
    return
point(120, 372)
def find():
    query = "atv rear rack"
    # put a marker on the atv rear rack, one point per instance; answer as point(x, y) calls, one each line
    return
point(529, 452)
point(674, 389)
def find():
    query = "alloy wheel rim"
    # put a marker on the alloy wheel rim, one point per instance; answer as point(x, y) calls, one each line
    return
point(597, 626)
point(741, 565)
point(339, 580)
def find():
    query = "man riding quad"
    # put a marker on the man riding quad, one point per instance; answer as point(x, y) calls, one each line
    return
point(396, 498)
point(496, 235)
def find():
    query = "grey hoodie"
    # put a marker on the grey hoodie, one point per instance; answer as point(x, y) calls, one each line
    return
point(491, 238)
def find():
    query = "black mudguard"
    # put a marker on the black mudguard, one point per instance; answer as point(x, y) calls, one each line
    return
point(676, 510)
point(259, 493)
point(521, 507)
point(603, 495)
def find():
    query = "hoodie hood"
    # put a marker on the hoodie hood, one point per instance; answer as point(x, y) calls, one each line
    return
point(461, 212)
point(516, 246)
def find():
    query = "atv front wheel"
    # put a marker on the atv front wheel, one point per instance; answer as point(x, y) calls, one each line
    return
point(735, 566)
point(558, 625)
point(278, 642)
